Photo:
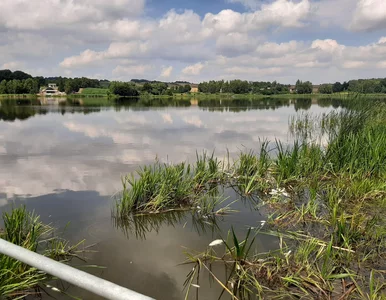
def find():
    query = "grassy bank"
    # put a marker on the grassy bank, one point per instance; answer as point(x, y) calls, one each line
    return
point(24, 229)
point(289, 96)
point(327, 196)
point(17, 96)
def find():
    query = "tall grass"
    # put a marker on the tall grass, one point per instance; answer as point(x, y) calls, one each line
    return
point(23, 228)
point(162, 187)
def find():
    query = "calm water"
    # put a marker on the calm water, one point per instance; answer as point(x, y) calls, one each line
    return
point(65, 160)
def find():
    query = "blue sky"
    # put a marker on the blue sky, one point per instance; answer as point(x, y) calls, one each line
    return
point(317, 40)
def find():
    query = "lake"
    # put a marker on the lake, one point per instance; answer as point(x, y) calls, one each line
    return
point(65, 159)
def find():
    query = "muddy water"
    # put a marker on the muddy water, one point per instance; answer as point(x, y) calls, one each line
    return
point(64, 159)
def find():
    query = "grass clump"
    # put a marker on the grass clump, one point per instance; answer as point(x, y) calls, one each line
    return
point(163, 187)
point(23, 228)
point(158, 187)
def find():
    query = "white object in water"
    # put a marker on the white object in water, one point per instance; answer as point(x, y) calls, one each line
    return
point(216, 243)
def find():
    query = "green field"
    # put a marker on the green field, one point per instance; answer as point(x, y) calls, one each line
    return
point(95, 91)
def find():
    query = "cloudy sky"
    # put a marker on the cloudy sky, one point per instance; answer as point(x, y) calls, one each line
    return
point(319, 40)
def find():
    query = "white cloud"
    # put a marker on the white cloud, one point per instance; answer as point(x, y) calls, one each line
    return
point(116, 50)
point(166, 72)
point(330, 46)
point(270, 49)
point(49, 14)
point(326, 14)
point(282, 13)
point(381, 64)
point(382, 40)
point(193, 120)
point(129, 71)
point(272, 39)
point(369, 15)
point(251, 4)
point(167, 118)
point(352, 64)
point(85, 58)
point(235, 43)
point(13, 65)
point(193, 69)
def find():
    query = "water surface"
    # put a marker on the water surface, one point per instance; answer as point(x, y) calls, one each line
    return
point(64, 159)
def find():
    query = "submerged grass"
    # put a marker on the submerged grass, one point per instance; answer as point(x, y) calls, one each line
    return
point(164, 187)
point(23, 228)
point(327, 195)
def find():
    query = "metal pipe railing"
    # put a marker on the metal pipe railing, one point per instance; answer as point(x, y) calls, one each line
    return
point(69, 274)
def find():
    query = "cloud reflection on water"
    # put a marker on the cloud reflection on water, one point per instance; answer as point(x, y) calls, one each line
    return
point(90, 152)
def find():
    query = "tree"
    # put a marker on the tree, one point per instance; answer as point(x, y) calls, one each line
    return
point(303, 87)
point(187, 88)
point(123, 89)
point(239, 86)
point(168, 92)
point(3, 87)
point(337, 87)
point(19, 75)
point(345, 86)
point(226, 87)
point(378, 88)
point(147, 87)
point(325, 89)
point(15, 87)
point(69, 86)
point(31, 86)
point(5, 75)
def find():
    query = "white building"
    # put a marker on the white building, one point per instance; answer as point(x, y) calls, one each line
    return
point(51, 90)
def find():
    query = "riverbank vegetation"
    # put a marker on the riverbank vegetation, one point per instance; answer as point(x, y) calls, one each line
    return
point(326, 195)
point(23, 228)
point(19, 82)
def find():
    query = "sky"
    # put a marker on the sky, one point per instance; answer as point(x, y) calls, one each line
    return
point(260, 40)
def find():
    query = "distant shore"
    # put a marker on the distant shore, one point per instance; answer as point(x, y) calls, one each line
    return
point(199, 96)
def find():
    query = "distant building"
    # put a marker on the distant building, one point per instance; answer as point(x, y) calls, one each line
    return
point(51, 90)
point(194, 88)
point(315, 89)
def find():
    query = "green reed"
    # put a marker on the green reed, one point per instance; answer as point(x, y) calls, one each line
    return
point(23, 228)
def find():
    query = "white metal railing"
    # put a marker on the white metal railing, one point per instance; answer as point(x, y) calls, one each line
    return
point(69, 274)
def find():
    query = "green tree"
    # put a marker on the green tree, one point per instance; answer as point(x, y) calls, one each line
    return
point(3, 87)
point(325, 89)
point(5, 75)
point(147, 87)
point(69, 86)
point(303, 87)
point(31, 86)
point(15, 87)
point(337, 87)
point(239, 86)
point(19, 75)
point(123, 89)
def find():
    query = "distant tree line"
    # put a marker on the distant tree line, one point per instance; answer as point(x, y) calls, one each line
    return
point(242, 87)
point(367, 86)
point(8, 75)
point(363, 86)
point(19, 82)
